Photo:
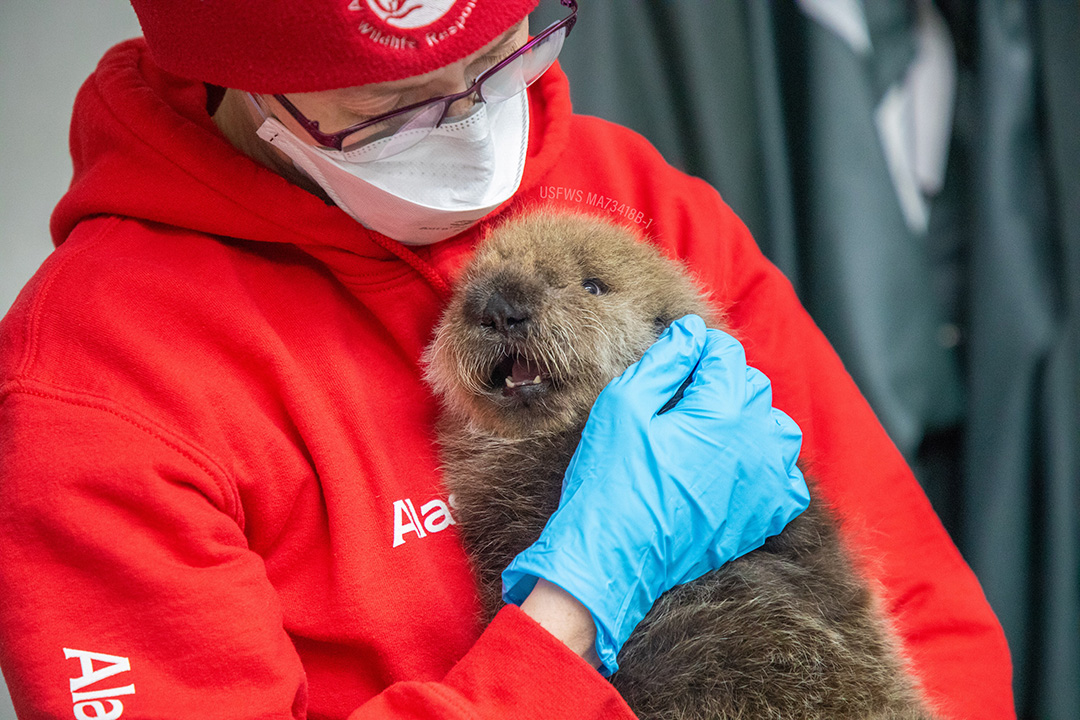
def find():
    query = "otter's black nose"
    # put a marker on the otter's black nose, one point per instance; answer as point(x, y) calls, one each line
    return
point(503, 315)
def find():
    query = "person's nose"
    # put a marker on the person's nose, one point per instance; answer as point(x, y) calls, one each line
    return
point(452, 80)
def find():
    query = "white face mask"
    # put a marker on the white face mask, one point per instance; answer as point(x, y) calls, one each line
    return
point(431, 191)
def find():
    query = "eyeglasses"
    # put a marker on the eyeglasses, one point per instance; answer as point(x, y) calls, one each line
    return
point(403, 128)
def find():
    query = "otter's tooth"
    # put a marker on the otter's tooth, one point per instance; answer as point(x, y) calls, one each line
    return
point(511, 384)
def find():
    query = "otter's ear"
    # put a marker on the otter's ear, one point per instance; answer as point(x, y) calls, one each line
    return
point(660, 324)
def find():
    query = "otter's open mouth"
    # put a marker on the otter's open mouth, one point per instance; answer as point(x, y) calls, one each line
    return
point(516, 374)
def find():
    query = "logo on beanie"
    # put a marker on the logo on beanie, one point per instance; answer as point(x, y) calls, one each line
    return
point(409, 14)
point(404, 15)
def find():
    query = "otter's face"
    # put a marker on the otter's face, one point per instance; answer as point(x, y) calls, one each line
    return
point(550, 310)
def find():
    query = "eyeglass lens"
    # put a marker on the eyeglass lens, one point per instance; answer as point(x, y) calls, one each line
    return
point(401, 132)
point(522, 71)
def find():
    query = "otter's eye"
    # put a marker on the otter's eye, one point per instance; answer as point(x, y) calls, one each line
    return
point(594, 286)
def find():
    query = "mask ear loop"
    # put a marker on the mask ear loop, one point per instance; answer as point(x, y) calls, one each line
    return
point(266, 116)
point(269, 133)
point(257, 105)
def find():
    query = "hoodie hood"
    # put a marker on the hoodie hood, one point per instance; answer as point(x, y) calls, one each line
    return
point(144, 147)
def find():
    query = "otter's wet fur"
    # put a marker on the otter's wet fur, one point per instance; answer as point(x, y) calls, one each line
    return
point(787, 631)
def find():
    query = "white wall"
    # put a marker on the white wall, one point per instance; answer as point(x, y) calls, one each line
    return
point(47, 48)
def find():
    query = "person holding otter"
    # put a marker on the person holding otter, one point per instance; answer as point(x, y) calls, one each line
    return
point(219, 490)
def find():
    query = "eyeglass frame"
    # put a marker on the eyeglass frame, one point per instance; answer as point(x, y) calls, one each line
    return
point(336, 140)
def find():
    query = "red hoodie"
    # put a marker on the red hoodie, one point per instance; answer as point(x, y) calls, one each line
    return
point(219, 496)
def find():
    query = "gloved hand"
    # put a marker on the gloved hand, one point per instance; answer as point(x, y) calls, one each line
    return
point(651, 500)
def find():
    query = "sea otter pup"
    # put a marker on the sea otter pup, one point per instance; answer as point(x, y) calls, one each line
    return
point(551, 308)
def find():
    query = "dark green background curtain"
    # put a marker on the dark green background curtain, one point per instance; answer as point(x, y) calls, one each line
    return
point(963, 332)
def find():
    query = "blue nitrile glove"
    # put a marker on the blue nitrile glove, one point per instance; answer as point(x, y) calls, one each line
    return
point(653, 500)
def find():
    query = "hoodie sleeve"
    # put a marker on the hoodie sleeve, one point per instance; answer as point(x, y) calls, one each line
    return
point(127, 590)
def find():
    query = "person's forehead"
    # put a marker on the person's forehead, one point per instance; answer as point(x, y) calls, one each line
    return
point(394, 87)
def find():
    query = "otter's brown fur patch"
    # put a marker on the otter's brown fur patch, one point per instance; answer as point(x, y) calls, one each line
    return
point(551, 308)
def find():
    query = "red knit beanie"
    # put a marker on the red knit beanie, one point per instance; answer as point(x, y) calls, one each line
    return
point(282, 46)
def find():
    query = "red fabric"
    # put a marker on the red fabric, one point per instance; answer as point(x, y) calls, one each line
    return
point(291, 46)
point(218, 472)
